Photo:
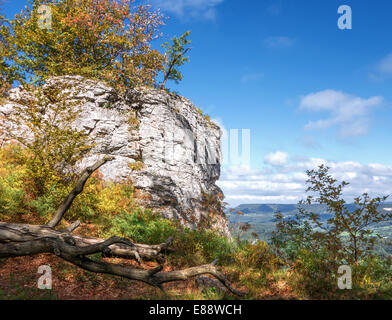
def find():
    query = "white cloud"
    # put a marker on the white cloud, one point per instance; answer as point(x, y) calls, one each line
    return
point(194, 8)
point(348, 112)
point(286, 183)
point(382, 70)
point(277, 158)
point(385, 66)
point(278, 42)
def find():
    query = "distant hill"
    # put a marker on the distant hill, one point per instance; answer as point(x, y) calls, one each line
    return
point(266, 208)
point(292, 208)
point(262, 216)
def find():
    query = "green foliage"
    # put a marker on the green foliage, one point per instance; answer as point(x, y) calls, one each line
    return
point(256, 256)
point(314, 274)
point(53, 145)
point(314, 278)
point(347, 235)
point(12, 184)
point(45, 204)
point(110, 206)
point(143, 226)
point(11, 196)
point(175, 57)
point(315, 248)
point(7, 72)
point(193, 247)
point(371, 270)
point(108, 40)
point(101, 203)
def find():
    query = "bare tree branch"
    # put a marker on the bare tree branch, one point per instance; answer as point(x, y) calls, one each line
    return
point(72, 227)
point(76, 191)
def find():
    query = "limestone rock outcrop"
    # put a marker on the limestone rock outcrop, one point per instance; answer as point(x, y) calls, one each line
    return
point(160, 141)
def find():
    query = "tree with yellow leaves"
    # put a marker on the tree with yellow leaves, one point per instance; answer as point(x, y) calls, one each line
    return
point(107, 40)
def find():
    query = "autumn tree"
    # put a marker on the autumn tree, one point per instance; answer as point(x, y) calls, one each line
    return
point(347, 235)
point(43, 122)
point(7, 72)
point(175, 57)
point(108, 40)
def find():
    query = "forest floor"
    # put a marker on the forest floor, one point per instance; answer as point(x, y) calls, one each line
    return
point(19, 276)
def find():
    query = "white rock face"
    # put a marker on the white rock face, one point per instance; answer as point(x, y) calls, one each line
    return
point(160, 141)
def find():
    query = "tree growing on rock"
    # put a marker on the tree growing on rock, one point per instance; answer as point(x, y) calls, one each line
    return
point(175, 57)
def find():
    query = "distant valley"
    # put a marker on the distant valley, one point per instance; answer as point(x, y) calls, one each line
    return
point(262, 217)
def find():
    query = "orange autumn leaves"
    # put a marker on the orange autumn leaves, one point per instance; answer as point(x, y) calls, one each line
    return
point(96, 11)
point(108, 40)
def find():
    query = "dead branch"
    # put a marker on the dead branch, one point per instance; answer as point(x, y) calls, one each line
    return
point(76, 191)
point(24, 240)
point(24, 232)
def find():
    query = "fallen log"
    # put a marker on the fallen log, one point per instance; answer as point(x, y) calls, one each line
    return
point(25, 239)
point(26, 232)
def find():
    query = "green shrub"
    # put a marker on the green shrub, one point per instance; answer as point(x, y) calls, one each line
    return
point(316, 247)
point(315, 274)
point(11, 195)
point(12, 184)
point(44, 205)
point(347, 235)
point(256, 256)
point(143, 226)
point(193, 247)
point(373, 274)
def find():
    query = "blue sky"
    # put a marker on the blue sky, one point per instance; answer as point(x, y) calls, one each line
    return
point(309, 92)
